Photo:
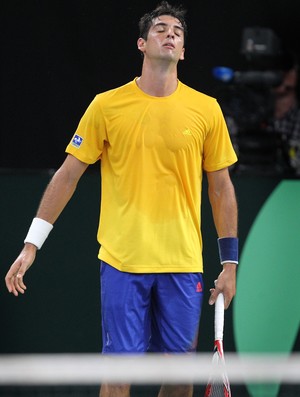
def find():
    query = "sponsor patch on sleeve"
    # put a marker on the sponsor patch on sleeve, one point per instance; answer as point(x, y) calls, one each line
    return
point(77, 140)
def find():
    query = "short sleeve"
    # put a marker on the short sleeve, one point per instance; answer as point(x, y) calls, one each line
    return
point(90, 136)
point(218, 151)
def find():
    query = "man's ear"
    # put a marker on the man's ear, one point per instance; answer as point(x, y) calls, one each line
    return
point(141, 44)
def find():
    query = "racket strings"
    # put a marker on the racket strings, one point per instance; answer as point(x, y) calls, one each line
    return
point(217, 389)
point(218, 385)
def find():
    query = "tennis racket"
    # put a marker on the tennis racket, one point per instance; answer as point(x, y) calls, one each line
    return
point(218, 383)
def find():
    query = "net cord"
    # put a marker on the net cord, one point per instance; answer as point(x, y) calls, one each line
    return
point(93, 369)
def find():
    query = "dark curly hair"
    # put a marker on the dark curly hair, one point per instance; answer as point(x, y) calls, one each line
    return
point(163, 8)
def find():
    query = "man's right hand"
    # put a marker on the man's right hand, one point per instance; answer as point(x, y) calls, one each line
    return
point(14, 278)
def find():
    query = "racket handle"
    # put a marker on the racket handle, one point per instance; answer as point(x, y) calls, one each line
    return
point(219, 317)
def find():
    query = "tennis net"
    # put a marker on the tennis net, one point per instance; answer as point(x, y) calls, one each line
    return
point(80, 375)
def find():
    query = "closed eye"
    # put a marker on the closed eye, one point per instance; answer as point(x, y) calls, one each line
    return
point(162, 27)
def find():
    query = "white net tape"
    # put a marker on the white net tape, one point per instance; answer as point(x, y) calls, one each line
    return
point(93, 369)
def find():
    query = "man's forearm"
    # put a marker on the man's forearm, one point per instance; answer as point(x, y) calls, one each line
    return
point(225, 212)
point(55, 198)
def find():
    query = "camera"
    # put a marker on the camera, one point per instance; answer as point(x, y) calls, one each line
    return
point(247, 99)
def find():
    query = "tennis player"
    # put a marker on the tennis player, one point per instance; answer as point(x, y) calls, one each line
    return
point(154, 137)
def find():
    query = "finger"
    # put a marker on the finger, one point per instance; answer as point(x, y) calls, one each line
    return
point(227, 302)
point(20, 280)
point(213, 296)
point(14, 281)
point(10, 281)
point(21, 285)
point(11, 286)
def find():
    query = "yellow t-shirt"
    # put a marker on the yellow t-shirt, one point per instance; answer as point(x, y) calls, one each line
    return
point(152, 152)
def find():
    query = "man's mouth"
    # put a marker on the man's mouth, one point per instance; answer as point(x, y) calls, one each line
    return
point(169, 45)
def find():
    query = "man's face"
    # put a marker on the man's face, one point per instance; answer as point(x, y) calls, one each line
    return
point(165, 40)
point(288, 85)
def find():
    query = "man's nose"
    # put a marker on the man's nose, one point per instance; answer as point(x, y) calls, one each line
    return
point(171, 33)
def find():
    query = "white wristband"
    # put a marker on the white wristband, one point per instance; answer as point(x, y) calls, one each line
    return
point(38, 232)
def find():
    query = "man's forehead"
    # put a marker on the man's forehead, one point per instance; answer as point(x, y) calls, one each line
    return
point(168, 20)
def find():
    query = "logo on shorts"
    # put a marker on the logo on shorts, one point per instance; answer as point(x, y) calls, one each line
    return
point(77, 141)
point(199, 287)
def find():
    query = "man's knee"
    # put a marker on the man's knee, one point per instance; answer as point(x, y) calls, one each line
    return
point(176, 391)
point(122, 390)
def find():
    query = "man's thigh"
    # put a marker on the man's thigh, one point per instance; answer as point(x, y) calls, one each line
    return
point(176, 309)
point(125, 310)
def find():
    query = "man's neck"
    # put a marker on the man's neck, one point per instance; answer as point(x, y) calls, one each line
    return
point(158, 81)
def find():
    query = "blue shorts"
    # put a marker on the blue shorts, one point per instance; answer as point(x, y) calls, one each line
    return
point(150, 312)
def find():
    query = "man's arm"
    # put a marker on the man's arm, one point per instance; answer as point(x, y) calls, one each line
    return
point(57, 194)
point(224, 207)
